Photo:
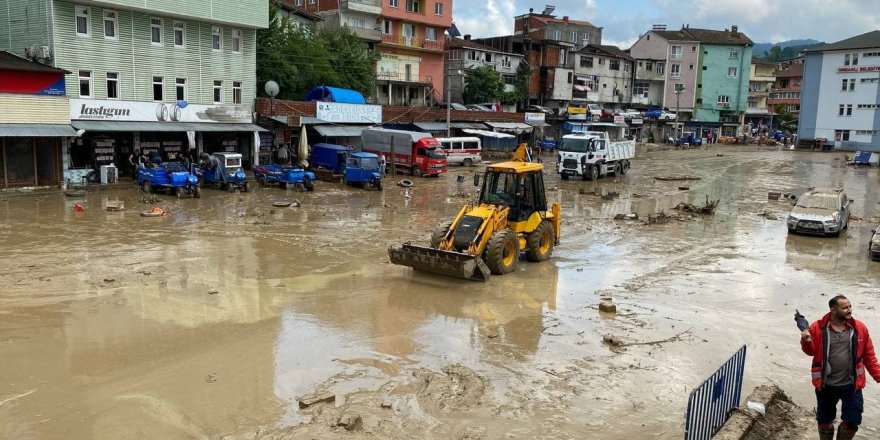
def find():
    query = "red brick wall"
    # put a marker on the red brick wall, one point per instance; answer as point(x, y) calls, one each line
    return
point(390, 114)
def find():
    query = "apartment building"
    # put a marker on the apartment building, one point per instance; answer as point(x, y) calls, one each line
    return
point(603, 74)
point(761, 79)
point(464, 54)
point(787, 86)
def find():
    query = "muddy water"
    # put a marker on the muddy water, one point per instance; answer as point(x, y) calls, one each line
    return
point(215, 320)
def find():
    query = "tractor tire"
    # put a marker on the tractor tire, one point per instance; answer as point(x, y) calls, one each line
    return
point(379, 186)
point(299, 187)
point(261, 181)
point(467, 163)
point(539, 244)
point(502, 252)
point(247, 187)
point(197, 192)
point(230, 187)
point(416, 172)
point(310, 186)
point(439, 233)
point(179, 192)
point(148, 188)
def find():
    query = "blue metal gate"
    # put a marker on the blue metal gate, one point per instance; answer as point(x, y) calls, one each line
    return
point(709, 404)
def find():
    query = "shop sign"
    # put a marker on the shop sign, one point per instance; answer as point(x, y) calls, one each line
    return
point(619, 119)
point(534, 118)
point(349, 113)
point(636, 121)
point(858, 69)
point(181, 111)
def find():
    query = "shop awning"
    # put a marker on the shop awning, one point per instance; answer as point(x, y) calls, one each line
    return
point(431, 126)
point(280, 119)
point(36, 130)
point(472, 125)
point(340, 130)
point(487, 133)
point(161, 126)
point(538, 124)
point(335, 94)
point(513, 127)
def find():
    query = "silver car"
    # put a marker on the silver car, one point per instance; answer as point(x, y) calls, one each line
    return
point(874, 244)
point(820, 211)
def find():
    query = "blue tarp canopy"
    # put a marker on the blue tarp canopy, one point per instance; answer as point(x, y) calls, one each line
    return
point(333, 94)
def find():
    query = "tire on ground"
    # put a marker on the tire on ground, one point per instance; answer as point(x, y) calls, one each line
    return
point(539, 244)
point(502, 252)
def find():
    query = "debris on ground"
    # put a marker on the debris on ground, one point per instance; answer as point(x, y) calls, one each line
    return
point(615, 341)
point(632, 216)
point(773, 195)
point(684, 188)
point(307, 401)
point(672, 178)
point(351, 421)
point(781, 418)
point(147, 198)
point(707, 208)
point(768, 215)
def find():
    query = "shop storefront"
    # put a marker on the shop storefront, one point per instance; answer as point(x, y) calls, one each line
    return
point(34, 123)
point(111, 130)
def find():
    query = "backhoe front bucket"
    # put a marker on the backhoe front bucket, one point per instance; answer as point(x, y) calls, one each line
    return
point(455, 264)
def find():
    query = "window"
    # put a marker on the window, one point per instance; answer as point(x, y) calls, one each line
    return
point(641, 88)
point(216, 41)
point(846, 59)
point(112, 85)
point(562, 57)
point(554, 34)
point(731, 72)
point(851, 59)
point(455, 54)
point(236, 41)
point(614, 64)
point(855, 62)
point(393, 3)
point(218, 92)
point(158, 88)
point(661, 68)
point(573, 37)
point(236, 92)
point(431, 34)
point(179, 34)
point(649, 66)
point(585, 38)
point(849, 109)
point(691, 67)
point(438, 8)
point(110, 24)
point(852, 84)
point(723, 99)
point(734, 54)
point(844, 85)
point(311, 2)
point(388, 27)
point(488, 57)
point(83, 18)
point(412, 6)
point(180, 89)
point(409, 31)
point(841, 135)
point(357, 22)
point(586, 62)
point(299, 2)
point(675, 71)
point(472, 55)
point(752, 102)
point(676, 52)
point(85, 83)
point(693, 48)
point(156, 31)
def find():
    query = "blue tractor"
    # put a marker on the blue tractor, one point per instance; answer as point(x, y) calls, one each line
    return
point(224, 171)
point(363, 169)
point(284, 176)
point(170, 176)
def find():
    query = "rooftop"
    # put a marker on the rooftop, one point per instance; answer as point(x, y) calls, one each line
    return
point(707, 36)
point(863, 41)
point(10, 61)
point(461, 43)
point(613, 51)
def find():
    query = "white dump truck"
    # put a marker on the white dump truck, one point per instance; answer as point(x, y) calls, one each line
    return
point(593, 150)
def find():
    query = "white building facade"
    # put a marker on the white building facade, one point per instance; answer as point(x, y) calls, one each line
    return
point(841, 93)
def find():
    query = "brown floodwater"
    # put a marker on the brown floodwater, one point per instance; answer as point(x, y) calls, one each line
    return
point(214, 320)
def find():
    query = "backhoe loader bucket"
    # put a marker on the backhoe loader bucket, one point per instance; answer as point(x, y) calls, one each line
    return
point(438, 261)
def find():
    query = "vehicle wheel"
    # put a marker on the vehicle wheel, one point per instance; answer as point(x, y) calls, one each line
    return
point(502, 252)
point(247, 187)
point(261, 181)
point(440, 232)
point(379, 186)
point(230, 187)
point(625, 167)
point(592, 173)
point(299, 187)
point(179, 191)
point(563, 176)
point(310, 186)
point(282, 185)
point(467, 162)
point(148, 188)
point(197, 192)
point(618, 169)
point(345, 181)
point(416, 172)
point(406, 183)
point(539, 244)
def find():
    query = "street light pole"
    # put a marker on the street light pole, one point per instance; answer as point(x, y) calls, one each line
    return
point(678, 89)
point(448, 102)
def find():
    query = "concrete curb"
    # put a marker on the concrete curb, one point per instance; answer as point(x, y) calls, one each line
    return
point(743, 419)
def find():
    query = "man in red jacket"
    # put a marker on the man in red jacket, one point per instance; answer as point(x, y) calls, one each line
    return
point(842, 350)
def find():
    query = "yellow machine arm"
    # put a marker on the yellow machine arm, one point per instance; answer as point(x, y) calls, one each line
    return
point(522, 153)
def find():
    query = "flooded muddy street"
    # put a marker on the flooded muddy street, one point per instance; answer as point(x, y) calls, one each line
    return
point(215, 321)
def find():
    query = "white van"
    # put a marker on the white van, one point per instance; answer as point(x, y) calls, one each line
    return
point(461, 150)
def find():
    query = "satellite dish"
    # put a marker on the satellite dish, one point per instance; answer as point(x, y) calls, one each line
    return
point(272, 88)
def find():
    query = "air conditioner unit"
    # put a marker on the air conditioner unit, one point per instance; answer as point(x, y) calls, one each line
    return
point(30, 52)
point(44, 52)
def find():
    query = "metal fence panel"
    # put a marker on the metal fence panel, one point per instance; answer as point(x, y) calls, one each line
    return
point(710, 404)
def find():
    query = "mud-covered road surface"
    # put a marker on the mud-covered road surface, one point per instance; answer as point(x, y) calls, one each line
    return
point(216, 320)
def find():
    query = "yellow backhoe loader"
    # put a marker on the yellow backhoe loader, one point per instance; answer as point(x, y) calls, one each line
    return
point(511, 216)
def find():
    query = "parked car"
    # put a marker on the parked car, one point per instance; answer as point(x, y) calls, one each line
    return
point(874, 244)
point(479, 108)
point(691, 139)
point(660, 114)
point(454, 106)
point(594, 110)
point(820, 211)
point(629, 113)
point(539, 109)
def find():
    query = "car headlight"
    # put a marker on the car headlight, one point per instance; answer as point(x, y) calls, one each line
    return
point(831, 222)
point(792, 219)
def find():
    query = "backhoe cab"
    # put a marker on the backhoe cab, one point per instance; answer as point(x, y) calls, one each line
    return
point(512, 215)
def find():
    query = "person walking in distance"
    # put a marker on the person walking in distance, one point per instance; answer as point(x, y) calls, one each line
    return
point(842, 350)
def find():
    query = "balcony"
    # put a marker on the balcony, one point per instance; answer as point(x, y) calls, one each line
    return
point(373, 35)
point(399, 77)
point(368, 6)
point(413, 42)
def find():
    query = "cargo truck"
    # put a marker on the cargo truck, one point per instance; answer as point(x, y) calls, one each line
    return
point(417, 154)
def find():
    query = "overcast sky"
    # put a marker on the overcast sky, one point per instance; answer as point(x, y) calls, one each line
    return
point(624, 20)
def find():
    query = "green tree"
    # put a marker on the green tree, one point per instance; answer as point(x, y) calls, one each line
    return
point(774, 54)
point(482, 84)
point(786, 120)
point(520, 92)
point(300, 58)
